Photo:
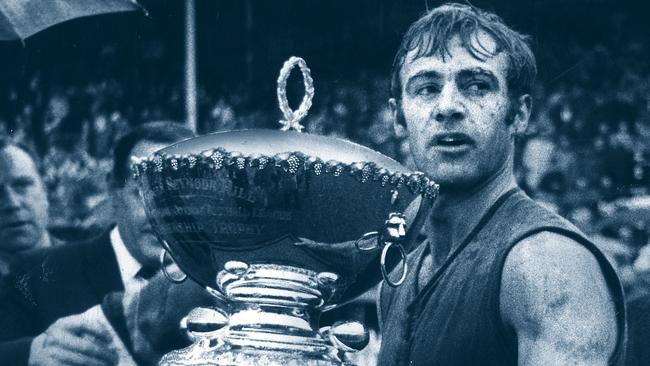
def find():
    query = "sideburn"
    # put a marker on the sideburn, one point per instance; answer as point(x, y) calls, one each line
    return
point(512, 111)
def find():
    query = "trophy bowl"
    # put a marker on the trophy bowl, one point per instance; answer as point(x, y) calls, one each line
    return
point(280, 224)
point(250, 195)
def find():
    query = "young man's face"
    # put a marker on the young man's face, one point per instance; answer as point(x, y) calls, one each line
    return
point(23, 202)
point(132, 222)
point(454, 112)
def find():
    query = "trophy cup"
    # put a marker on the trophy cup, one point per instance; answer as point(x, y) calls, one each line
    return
point(280, 225)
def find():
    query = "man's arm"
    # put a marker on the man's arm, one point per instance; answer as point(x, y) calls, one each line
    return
point(148, 321)
point(26, 337)
point(554, 296)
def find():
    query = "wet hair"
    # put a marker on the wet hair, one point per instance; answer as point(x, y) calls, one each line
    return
point(430, 35)
point(6, 142)
point(156, 132)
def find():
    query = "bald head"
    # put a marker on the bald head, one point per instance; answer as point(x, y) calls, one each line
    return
point(23, 202)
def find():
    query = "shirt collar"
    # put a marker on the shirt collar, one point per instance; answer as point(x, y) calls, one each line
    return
point(129, 266)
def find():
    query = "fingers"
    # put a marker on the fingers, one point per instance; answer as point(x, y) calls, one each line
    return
point(73, 340)
point(76, 358)
point(64, 343)
point(308, 243)
point(79, 326)
point(59, 349)
point(344, 246)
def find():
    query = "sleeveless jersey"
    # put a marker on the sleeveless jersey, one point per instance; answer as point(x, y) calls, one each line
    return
point(455, 318)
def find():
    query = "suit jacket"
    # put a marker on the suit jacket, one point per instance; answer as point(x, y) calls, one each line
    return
point(49, 284)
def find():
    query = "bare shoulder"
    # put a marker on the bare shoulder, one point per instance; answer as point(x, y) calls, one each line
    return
point(554, 295)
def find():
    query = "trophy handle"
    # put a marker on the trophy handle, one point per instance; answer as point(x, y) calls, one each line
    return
point(163, 267)
point(204, 322)
point(292, 118)
point(393, 235)
point(347, 336)
point(358, 244)
point(384, 270)
point(406, 242)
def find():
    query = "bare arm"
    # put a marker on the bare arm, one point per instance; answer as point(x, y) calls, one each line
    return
point(554, 296)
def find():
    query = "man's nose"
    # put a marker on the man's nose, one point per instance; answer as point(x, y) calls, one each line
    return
point(449, 108)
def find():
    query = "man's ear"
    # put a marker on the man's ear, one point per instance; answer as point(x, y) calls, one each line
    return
point(522, 109)
point(396, 113)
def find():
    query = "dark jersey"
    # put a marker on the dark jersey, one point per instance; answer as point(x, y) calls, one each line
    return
point(454, 319)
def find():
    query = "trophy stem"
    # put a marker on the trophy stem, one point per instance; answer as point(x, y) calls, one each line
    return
point(273, 320)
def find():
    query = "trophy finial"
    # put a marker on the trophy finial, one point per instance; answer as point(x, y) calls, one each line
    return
point(292, 118)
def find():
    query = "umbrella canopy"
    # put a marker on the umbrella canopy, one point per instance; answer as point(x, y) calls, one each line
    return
point(20, 19)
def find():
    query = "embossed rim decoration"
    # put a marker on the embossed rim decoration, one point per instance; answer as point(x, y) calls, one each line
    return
point(291, 162)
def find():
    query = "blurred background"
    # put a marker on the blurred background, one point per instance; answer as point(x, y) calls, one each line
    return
point(71, 90)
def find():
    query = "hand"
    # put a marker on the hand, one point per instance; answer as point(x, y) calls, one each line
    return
point(154, 313)
point(73, 340)
point(344, 256)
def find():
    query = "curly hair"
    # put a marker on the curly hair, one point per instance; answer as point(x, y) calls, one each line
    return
point(430, 35)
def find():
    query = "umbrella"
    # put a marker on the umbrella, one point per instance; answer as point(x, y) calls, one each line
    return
point(20, 19)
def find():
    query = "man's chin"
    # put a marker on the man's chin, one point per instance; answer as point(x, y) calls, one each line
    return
point(451, 179)
point(17, 244)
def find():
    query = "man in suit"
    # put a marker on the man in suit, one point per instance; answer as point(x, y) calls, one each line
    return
point(41, 300)
point(23, 203)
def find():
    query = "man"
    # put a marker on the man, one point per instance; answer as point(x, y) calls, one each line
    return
point(499, 280)
point(23, 203)
point(37, 325)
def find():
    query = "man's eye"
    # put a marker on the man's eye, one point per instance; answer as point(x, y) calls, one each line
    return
point(428, 89)
point(477, 87)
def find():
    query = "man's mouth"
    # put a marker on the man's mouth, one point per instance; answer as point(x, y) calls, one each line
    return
point(452, 140)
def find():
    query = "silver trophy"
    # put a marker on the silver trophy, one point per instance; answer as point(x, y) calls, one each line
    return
point(280, 226)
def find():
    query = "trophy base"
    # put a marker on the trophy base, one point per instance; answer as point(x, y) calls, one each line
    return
point(272, 320)
point(222, 356)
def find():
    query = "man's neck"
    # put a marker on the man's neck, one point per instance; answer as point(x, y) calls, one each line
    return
point(455, 214)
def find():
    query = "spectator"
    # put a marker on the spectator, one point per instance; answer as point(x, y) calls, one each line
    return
point(37, 303)
point(23, 203)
